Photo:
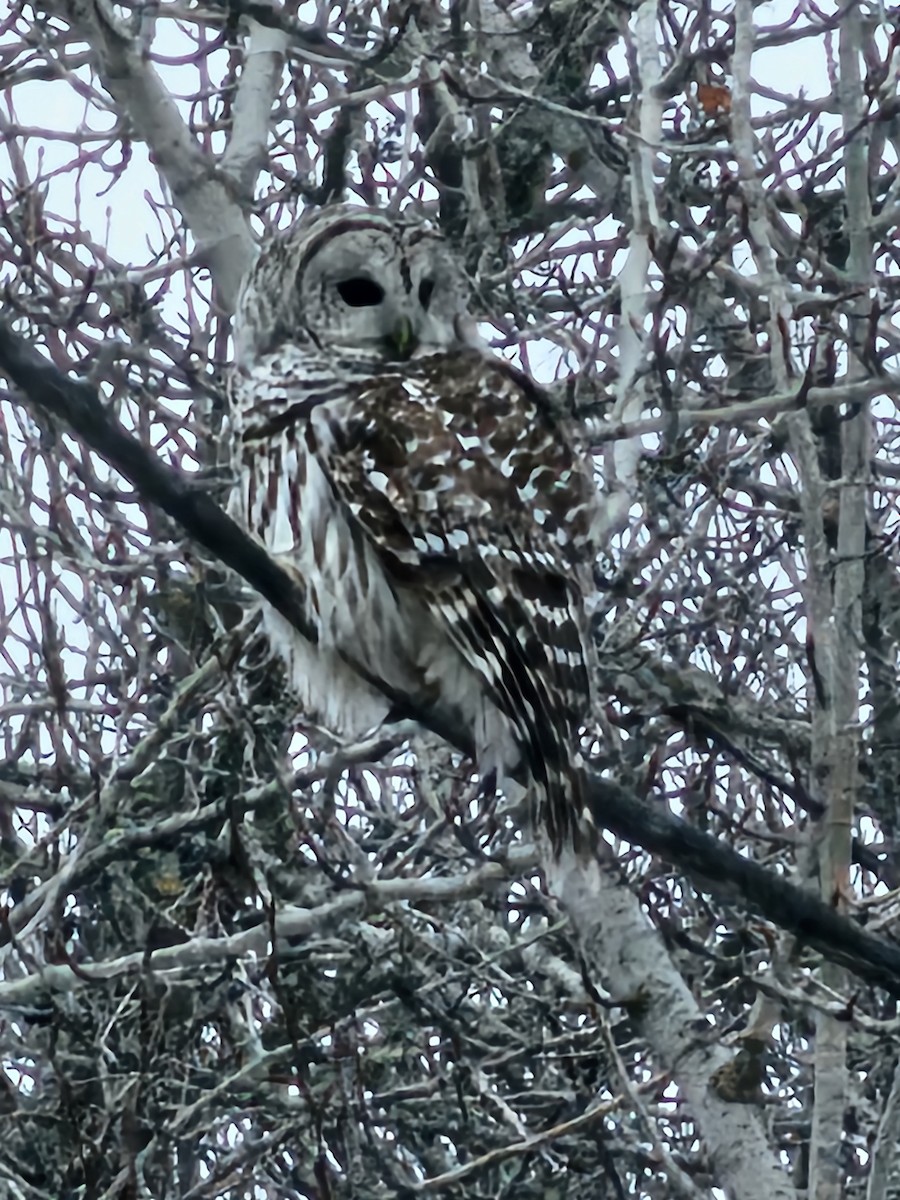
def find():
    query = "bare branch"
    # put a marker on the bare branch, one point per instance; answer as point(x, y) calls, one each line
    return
point(836, 938)
point(214, 216)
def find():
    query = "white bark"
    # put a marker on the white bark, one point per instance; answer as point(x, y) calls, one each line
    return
point(622, 459)
point(884, 1165)
point(263, 63)
point(833, 589)
point(202, 195)
point(627, 953)
point(841, 750)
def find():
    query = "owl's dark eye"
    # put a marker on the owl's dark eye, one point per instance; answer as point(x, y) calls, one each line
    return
point(360, 293)
point(426, 291)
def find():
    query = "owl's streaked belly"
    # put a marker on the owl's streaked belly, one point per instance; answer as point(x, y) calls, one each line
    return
point(361, 615)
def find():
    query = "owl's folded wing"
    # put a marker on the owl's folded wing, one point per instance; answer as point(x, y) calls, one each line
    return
point(457, 474)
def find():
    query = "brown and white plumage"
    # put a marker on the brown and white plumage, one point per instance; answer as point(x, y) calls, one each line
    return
point(434, 509)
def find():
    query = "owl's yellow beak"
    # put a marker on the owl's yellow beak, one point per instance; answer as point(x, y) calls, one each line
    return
point(402, 338)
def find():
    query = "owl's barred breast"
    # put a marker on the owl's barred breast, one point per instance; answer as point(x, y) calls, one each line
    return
point(364, 615)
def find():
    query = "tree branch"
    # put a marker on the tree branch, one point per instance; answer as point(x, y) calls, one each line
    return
point(213, 215)
point(264, 57)
point(79, 406)
point(713, 865)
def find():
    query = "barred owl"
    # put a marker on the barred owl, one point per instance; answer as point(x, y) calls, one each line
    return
point(434, 510)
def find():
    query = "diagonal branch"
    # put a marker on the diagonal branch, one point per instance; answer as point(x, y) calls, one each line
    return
point(713, 866)
point(79, 406)
point(203, 195)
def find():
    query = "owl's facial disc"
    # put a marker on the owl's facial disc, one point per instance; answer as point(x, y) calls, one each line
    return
point(402, 339)
point(395, 295)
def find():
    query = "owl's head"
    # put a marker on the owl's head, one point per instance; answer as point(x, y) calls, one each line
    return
point(356, 282)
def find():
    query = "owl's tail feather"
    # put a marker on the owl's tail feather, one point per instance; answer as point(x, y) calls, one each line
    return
point(563, 808)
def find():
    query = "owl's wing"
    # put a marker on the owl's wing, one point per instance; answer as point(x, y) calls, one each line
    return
point(459, 477)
